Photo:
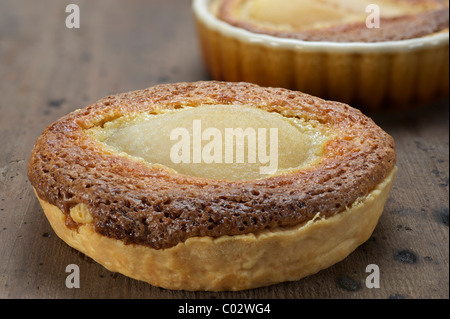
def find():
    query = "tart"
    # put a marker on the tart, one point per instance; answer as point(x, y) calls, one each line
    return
point(330, 49)
point(114, 184)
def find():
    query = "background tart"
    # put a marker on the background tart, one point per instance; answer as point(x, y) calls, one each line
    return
point(325, 48)
point(336, 21)
point(150, 222)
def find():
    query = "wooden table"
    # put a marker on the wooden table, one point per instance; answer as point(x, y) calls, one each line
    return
point(48, 70)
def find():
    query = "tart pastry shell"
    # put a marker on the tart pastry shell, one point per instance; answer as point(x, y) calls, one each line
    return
point(231, 263)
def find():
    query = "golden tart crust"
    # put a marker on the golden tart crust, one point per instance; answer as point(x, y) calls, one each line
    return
point(232, 262)
point(414, 19)
point(115, 208)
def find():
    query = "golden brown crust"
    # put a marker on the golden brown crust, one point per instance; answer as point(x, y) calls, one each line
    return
point(433, 19)
point(143, 204)
point(232, 262)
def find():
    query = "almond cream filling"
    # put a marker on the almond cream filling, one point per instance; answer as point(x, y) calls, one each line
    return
point(299, 15)
point(217, 141)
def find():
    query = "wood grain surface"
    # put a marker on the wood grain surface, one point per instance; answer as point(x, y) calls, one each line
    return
point(48, 70)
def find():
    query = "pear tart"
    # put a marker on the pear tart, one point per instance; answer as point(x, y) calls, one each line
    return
point(142, 182)
point(384, 55)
